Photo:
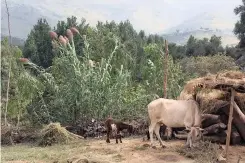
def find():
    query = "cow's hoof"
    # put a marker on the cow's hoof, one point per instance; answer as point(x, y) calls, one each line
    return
point(164, 146)
point(154, 147)
point(187, 146)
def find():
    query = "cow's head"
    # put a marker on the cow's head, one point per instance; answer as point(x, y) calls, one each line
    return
point(195, 133)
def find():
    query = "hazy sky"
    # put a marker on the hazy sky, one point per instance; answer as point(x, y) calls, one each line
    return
point(150, 15)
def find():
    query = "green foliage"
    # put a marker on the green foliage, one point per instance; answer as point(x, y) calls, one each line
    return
point(105, 70)
point(204, 47)
point(239, 29)
point(154, 72)
point(38, 45)
point(202, 65)
point(23, 86)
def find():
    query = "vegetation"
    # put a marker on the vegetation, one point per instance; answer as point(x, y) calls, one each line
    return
point(78, 71)
point(240, 25)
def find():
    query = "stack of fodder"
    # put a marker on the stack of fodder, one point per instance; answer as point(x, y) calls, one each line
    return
point(9, 135)
point(204, 152)
point(213, 94)
point(55, 134)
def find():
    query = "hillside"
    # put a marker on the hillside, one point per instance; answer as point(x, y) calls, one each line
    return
point(15, 41)
point(24, 14)
point(203, 25)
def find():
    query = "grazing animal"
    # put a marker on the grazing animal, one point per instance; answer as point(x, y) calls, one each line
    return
point(115, 127)
point(174, 113)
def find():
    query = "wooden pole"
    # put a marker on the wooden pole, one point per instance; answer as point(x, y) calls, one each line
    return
point(228, 138)
point(166, 70)
point(10, 38)
point(10, 41)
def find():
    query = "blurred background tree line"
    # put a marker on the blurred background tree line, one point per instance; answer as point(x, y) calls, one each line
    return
point(128, 71)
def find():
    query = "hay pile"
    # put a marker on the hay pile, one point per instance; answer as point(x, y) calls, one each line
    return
point(204, 152)
point(8, 135)
point(212, 92)
point(55, 134)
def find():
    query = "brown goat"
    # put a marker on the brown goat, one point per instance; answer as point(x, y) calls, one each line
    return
point(116, 126)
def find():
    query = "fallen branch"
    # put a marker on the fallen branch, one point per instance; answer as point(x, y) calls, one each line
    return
point(235, 136)
point(220, 138)
point(238, 119)
point(214, 129)
point(78, 136)
point(210, 119)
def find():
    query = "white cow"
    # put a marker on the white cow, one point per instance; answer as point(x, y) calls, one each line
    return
point(174, 113)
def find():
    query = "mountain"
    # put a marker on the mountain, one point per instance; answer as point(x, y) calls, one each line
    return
point(15, 41)
point(23, 16)
point(25, 13)
point(203, 25)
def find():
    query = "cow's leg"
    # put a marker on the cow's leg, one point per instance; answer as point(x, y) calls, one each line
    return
point(187, 141)
point(190, 141)
point(151, 129)
point(148, 135)
point(119, 136)
point(156, 130)
point(108, 135)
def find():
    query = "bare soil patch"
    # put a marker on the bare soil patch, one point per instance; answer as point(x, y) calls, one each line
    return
point(132, 150)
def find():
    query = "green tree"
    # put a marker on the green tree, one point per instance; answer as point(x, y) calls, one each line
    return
point(239, 28)
point(38, 47)
point(23, 86)
point(202, 65)
point(190, 46)
point(82, 27)
point(153, 72)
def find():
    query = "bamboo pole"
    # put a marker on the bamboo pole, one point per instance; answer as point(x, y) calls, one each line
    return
point(10, 38)
point(229, 124)
point(10, 41)
point(166, 70)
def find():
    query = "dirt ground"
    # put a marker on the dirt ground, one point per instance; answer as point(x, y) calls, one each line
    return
point(132, 150)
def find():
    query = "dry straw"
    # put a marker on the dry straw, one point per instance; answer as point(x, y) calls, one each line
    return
point(210, 98)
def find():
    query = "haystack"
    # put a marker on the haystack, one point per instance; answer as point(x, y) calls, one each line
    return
point(213, 94)
point(55, 134)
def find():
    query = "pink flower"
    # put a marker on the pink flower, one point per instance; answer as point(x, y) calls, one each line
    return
point(62, 40)
point(54, 44)
point(53, 35)
point(23, 60)
point(67, 40)
point(74, 30)
point(69, 34)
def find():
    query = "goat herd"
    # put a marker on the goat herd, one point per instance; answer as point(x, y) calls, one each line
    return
point(171, 113)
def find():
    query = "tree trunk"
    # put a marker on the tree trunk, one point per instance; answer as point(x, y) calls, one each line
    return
point(210, 119)
point(215, 139)
point(235, 136)
point(18, 119)
point(7, 96)
point(220, 138)
point(214, 129)
point(238, 119)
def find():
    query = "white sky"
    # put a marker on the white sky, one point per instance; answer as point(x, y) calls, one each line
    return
point(150, 15)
